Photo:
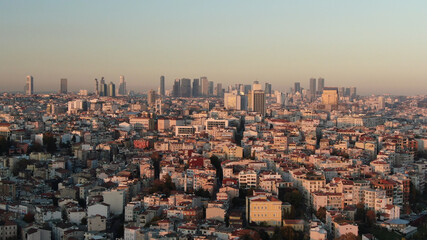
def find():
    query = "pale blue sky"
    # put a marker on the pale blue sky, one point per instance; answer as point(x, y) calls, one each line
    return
point(378, 46)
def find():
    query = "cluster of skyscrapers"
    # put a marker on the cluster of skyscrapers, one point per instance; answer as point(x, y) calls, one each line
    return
point(102, 89)
point(247, 97)
point(198, 88)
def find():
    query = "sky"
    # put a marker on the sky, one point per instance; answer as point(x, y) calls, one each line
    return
point(377, 46)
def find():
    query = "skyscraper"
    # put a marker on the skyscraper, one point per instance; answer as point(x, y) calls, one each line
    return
point(176, 88)
point(122, 86)
point(297, 87)
point(312, 88)
point(330, 96)
point(320, 85)
point(196, 87)
point(29, 87)
point(151, 98)
point(103, 88)
point(218, 90)
point(211, 88)
point(256, 86)
point(96, 87)
point(205, 86)
point(162, 86)
point(63, 86)
point(257, 101)
point(185, 88)
point(268, 88)
point(353, 93)
point(111, 89)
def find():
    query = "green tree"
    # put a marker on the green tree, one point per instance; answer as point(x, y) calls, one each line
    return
point(49, 142)
point(347, 236)
point(321, 214)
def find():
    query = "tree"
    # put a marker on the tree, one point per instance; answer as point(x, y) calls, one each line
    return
point(321, 214)
point(360, 212)
point(4, 145)
point(21, 165)
point(370, 217)
point(28, 218)
point(50, 142)
point(202, 193)
point(347, 236)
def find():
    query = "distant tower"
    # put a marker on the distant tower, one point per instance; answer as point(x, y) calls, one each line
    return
point(205, 86)
point(312, 88)
point(297, 87)
point(103, 88)
point(29, 87)
point(96, 87)
point(353, 93)
point(267, 88)
point(196, 87)
point(176, 88)
point(122, 86)
point(185, 88)
point(63, 86)
point(211, 88)
point(330, 96)
point(381, 102)
point(218, 90)
point(111, 89)
point(320, 85)
point(162, 86)
point(151, 98)
point(256, 86)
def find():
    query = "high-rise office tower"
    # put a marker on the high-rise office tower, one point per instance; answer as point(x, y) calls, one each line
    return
point(297, 87)
point(122, 86)
point(111, 89)
point(330, 96)
point(63, 86)
point(312, 88)
point(29, 87)
point(341, 92)
point(151, 98)
point(353, 93)
point(162, 86)
point(257, 101)
point(103, 91)
point(205, 86)
point(320, 85)
point(211, 88)
point(185, 88)
point(176, 88)
point(256, 86)
point(247, 89)
point(267, 88)
point(96, 87)
point(218, 90)
point(196, 87)
point(381, 102)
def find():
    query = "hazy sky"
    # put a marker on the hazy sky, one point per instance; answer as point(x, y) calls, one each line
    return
point(378, 46)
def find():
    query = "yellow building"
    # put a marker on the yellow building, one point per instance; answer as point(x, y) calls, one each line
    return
point(264, 209)
point(330, 96)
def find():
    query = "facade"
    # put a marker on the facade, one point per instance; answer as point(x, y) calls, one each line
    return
point(330, 96)
point(257, 102)
point(264, 209)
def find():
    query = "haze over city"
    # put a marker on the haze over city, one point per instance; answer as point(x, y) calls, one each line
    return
point(376, 46)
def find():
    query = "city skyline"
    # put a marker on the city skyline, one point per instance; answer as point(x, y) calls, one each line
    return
point(375, 46)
